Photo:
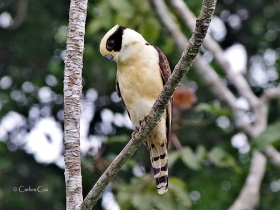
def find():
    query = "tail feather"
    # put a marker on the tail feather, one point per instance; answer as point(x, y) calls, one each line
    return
point(162, 184)
point(158, 156)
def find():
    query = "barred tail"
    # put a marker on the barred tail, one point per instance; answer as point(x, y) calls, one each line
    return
point(158, 156)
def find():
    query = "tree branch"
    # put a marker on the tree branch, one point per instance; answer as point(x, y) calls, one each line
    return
point(20, 15)
point(165, 16)
point(238, 79)
point(206, 71)
point(273, 155)
point(258, 106)
point(184, 64)
point(72, 102)
point(208, 74)
point(5, 4)
point(271, 93)
point(249, 196)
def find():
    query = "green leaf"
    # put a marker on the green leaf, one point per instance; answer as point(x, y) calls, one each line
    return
point(163, 202)
point(120, 5)
point(141, 194)
point(222, 159)
point(117, 139)
point(172, 158)
point(178, 188)
point(190, 158)
point(142, 202)
point(124, 198)
point(214, 108)
point(152, 201)
point(269, 136)
point(200, 152)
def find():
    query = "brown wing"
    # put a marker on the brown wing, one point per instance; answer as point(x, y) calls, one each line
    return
point(165, 74)
point(120, 95)
point(164, 65)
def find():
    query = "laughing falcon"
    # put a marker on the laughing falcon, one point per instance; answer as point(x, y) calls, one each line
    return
point(142, 71)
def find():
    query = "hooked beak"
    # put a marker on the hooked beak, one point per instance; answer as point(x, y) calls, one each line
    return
point(110, 56)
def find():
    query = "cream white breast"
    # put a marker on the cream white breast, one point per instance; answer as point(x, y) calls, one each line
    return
point(138, 74)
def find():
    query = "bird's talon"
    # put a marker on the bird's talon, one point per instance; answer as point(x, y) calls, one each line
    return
point(133, 135)
point(135, 131)
point(146, 116)
point(141, 121)
point(144, 119)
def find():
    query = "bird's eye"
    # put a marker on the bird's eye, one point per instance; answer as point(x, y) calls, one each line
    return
point(110, 44)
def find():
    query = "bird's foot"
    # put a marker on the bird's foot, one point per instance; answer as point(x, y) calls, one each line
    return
point(135, 132)
point(143, 120)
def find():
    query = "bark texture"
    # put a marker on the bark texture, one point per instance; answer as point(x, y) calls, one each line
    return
point(72, 102)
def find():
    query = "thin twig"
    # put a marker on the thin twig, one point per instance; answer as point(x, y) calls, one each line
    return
point(175, 141)
point(208, 7)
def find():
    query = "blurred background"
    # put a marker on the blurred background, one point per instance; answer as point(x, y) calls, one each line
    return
point(209, 157)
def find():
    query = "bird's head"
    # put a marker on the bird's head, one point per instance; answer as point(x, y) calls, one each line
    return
point(116, 43)
point(111, 43)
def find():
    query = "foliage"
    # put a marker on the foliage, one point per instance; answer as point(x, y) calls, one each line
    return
point(23, 181)
point(269, 136)
point(216, 155)
point(140, 194)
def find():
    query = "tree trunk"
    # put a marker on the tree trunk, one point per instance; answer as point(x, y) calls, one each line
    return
point(72, 102)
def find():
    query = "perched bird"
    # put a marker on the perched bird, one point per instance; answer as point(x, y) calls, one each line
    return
point(142, 70)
